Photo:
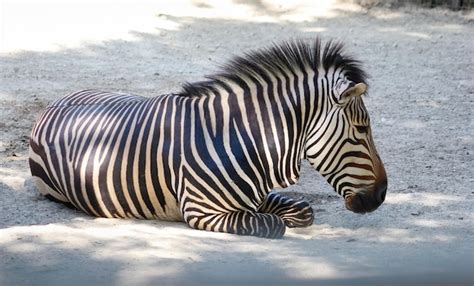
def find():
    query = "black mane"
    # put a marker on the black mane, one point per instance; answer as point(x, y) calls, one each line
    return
point(287, 56)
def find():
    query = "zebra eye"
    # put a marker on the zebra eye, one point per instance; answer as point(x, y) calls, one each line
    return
point(362, 129)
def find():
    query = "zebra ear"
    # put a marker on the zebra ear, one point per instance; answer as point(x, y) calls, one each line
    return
point(354, 90)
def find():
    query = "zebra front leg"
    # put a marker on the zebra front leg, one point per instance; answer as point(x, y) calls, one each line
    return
point(241, 222)
point(295, 213)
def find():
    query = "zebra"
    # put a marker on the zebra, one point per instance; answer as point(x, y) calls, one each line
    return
point(211, 154)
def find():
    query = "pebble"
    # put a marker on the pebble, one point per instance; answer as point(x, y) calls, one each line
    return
point(417, 213)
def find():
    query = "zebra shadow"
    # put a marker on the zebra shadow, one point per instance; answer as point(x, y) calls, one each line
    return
point(27, 207)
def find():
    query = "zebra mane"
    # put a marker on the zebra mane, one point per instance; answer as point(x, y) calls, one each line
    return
point(285, 57)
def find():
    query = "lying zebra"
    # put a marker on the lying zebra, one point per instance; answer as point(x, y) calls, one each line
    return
point(211, 154)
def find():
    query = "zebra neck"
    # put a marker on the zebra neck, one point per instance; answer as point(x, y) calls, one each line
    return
point(258, 123)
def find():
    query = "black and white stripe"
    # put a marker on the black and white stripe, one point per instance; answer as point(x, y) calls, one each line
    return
point(211, 154)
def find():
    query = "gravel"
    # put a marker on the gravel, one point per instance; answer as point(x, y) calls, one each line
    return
point(421, 104)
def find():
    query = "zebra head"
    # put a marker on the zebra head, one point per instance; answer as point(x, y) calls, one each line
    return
point(341, 147)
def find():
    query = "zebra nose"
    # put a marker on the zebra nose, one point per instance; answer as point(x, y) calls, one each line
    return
point(381, 191)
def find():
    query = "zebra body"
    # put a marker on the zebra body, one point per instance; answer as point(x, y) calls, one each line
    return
point(212, 154)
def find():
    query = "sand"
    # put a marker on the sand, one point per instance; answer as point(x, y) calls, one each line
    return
point(421, 106)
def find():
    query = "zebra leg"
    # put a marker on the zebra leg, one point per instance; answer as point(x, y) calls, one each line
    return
point(240, 222)
point(295, 213)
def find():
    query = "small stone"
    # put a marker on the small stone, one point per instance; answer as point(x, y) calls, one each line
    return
point(417, 213)
point(156, 74)
point(460, 218)
point(351, 240)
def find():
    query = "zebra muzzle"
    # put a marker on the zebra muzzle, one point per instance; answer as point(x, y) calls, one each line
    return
point(363, 202)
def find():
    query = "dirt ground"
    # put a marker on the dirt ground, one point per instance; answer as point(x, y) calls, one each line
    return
point(421, 104)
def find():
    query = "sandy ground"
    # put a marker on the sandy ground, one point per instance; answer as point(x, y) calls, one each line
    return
point(421, 105)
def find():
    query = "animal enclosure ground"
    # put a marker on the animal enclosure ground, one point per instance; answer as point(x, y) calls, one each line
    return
point(421, 104)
